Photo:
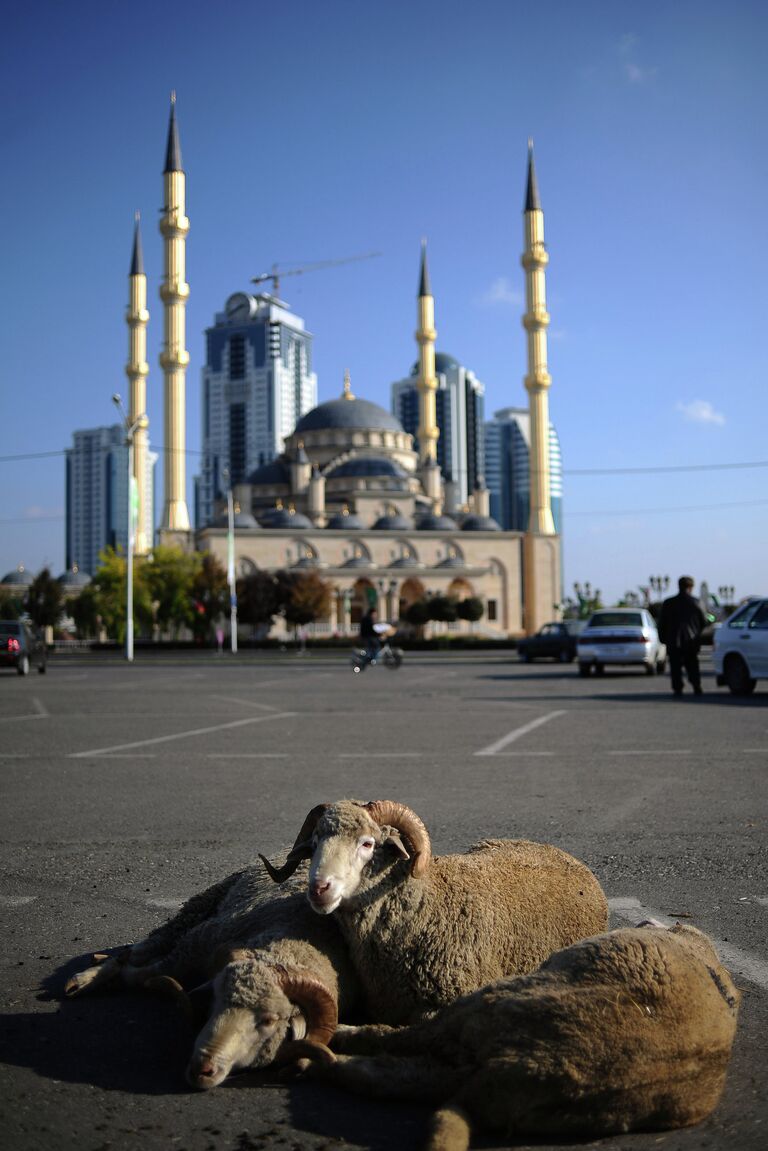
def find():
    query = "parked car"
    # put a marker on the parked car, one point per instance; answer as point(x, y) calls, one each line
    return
point(740, 648)
point(552, 641)
point(21, 647)
point(621, 635)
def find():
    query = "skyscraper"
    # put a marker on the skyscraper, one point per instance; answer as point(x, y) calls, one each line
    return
point(507, 469)
point(459, 402)
point(257, 382)
point(97, 494)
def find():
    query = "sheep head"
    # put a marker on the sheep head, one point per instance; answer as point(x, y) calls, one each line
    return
point(342, 838)
point(257, 1009)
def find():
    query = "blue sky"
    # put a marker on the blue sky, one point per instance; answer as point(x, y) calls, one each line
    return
point(314, 131)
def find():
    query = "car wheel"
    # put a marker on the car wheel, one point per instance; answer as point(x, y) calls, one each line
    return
point(585, 668)
point(565, 656)
point(526, 657)
point(42, 668)
point(737, 676)
point(661, 667)
point(599, 668)
point(650, 669)
point(22, 666)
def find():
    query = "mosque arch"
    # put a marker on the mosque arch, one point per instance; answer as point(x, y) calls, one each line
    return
point(460, 588)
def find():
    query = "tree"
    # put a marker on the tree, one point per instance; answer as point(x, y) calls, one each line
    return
point(210, 595)
point(258, 601)
point(417, 613)
point(11, 606)
point(170, 578)
point(308, 598)
point(110, 583)
point(443, 608)
point(43, 600)
point(84, 610)
point(470, 609)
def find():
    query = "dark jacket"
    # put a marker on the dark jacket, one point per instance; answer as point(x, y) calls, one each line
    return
point(681, 622)
point(366, 627)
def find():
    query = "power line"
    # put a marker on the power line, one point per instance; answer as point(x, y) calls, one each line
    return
point(654, 511)
point(661, 468)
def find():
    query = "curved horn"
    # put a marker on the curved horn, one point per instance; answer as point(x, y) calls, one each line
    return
point(170, 987)
point(316, 1001)
point(304, 1049)
point(384, 811)
point(302, 848)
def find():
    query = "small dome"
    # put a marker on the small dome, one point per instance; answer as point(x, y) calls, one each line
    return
point(275, 472)
point(368, 466)
point(345, 521)
point(348, 413)
point(392, 523)
point(443, 364)
point(18, 578)
point(283, 518)
point(240, 520)
point(432, 523)
point(74, 578)
point(358, 562)
point(480, 524)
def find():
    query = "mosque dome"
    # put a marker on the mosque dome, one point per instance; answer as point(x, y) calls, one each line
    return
point(393, 523)
point(74, 578)
point(284, 518)
point(368, 466)
point(345, 521)
point(18, 578)
point(239, 520)
point(275, 472)
point(348, 412)
point(432, 523)
point(480, 524)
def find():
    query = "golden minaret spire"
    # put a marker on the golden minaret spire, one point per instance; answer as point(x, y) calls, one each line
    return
point(538, 379)
point(137, 369)
point(174, 359)
point(428, 432)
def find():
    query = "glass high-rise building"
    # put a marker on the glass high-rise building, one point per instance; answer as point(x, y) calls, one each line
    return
point(97, 495)
point(256, 383)
point(459, 403)
point(507, 455)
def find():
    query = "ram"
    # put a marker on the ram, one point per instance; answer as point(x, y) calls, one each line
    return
point(271, 971)
point(422, 931)
point(629, 1030)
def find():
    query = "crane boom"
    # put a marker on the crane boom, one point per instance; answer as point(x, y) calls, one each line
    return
point(277, 273)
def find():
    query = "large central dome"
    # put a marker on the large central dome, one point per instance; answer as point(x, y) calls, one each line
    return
point(348, 412)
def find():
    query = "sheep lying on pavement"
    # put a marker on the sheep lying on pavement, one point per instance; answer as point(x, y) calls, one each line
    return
point(629, 1030)
point(274, 972)
point(422, 931)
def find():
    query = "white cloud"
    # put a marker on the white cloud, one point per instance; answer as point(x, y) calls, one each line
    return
point(502, 292)
point(634, 73)
point(700, 412)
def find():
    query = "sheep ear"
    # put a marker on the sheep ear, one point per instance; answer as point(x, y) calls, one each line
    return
point(393, 837)
point(298, 1027)
point(200, 1003)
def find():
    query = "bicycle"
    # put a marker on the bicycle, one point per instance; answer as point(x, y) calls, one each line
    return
point(391, 657)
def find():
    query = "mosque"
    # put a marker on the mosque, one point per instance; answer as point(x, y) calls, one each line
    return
point(352, 495)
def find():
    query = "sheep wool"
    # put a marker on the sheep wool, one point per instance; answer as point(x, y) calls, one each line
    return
point(631, 1029)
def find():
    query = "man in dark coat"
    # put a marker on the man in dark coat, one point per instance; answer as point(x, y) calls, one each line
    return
point(369, 635)
point(680, 626)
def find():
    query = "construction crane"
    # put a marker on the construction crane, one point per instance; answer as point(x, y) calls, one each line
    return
point(277, 273)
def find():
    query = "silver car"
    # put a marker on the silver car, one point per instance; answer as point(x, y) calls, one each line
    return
point(740, 648)
point(621, 635)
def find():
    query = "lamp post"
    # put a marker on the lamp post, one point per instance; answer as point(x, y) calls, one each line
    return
point(130, 431)
point(231, 562)
point(659, 584)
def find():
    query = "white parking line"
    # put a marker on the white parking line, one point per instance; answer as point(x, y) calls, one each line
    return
point(247, 754)
point(16, 900)
point(654, 751)
point(180, 735)
point(379, 754)
point(246, 702)
point(739, 962)
point(40, 707)
point(495, 748)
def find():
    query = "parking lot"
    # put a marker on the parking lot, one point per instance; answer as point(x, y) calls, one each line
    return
point(127, 789)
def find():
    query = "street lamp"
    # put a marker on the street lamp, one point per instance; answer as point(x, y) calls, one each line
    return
point(130, 431)
point(231, 562)
point(659, 584)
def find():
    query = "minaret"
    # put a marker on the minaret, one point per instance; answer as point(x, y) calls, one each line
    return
point(174, 358)
point(538, 380)
point(137, 370)
point(542, 587)
point(428, 433)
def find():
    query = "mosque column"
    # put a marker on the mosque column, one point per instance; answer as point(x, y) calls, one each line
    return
point(428, 433)
point(137, 370)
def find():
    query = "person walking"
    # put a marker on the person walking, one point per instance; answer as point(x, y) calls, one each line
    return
point(680, 626)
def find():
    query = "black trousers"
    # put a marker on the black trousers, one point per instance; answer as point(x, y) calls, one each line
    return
point(688, 658)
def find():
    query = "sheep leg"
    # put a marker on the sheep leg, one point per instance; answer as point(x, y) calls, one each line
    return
point(110, 970)
point(451, 1130)
point(390, 1077)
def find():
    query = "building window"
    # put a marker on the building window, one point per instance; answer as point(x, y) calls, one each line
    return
point(491, 610)
point(237, 443)
point(237, 358)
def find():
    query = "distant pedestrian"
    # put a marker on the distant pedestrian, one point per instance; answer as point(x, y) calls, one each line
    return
point(220, 640)
point(680, 626)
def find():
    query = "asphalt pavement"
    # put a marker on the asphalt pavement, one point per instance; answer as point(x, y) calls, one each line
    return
point(125, 789)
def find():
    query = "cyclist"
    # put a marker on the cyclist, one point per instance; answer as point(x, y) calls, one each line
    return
point(369, 634)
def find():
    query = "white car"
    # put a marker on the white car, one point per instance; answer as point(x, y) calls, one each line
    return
point(621, 635)
point(740, 647)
